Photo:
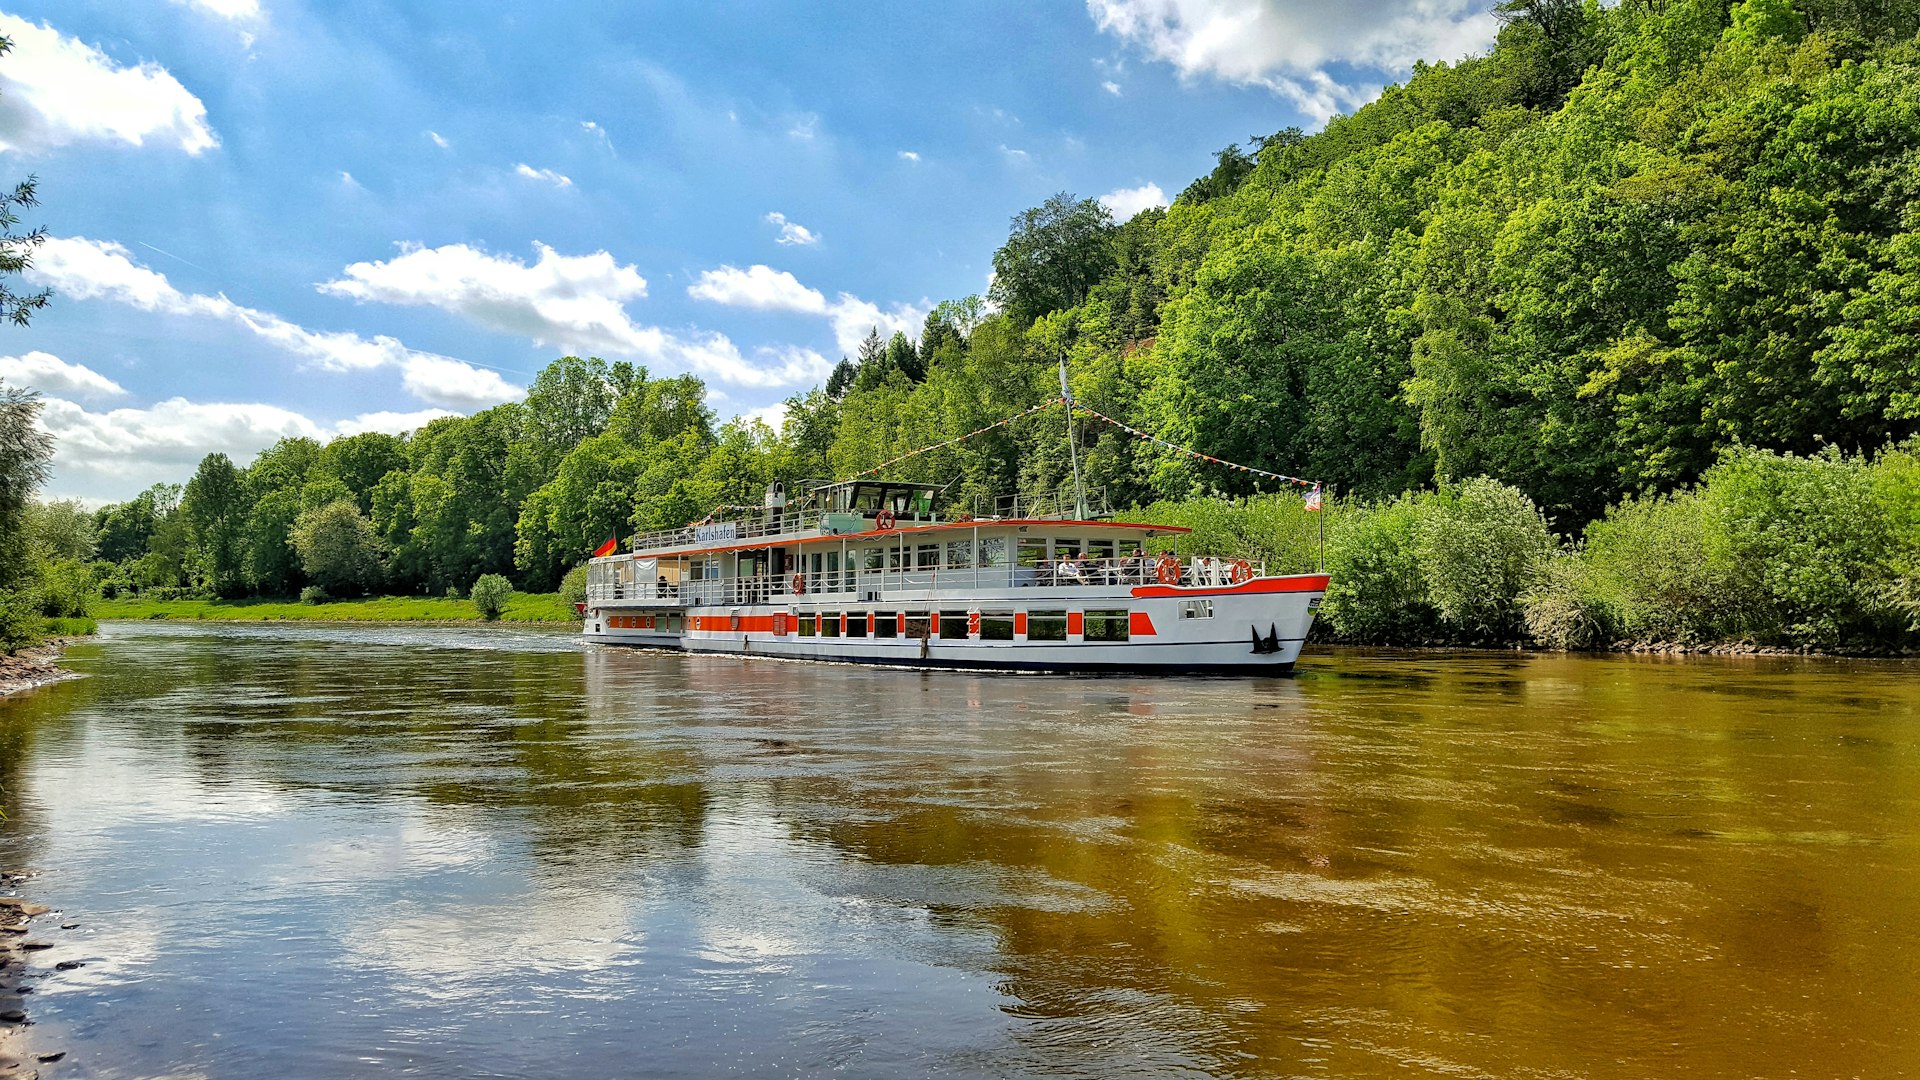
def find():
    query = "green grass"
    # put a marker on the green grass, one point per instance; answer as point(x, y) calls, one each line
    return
point(521, 608)
point(79, 627)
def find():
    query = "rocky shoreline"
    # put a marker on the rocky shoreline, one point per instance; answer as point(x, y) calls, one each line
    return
point(33, 667)
point(16, 949)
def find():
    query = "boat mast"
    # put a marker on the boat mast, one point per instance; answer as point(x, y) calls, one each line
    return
point(1080, 511)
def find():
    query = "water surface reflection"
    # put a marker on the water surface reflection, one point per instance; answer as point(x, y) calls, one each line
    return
point(341, 851)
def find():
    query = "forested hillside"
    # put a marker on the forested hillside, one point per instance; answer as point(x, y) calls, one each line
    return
point(1588, 265)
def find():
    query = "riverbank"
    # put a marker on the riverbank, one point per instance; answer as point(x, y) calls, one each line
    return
point(520, 608)
point(31, 667)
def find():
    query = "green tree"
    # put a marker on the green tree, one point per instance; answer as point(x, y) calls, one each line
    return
point(25, 455)
point(338, 549)
point(214, 510)
point(1054, 256)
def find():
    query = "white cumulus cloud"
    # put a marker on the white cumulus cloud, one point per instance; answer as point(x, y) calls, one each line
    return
point(1291, 46)
point(111, 454)
point(909, 155)
point(766, 289)
point(543, 175)
point(439, 140)
point(791, 232)
point(573, 302)
point(757, 286)
point(55, 90)
point(83, 269)
point(51, 375)
point(1126, 202)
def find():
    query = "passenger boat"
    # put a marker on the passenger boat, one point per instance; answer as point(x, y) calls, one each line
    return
point(873, 572)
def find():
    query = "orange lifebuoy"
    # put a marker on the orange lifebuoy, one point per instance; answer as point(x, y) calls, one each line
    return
point(883, 520)
point(799, 584)
point(1169, 570)
point(1241, 573)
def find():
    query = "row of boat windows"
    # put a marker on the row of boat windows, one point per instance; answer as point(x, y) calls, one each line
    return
point(956, 625)
point(988, 626)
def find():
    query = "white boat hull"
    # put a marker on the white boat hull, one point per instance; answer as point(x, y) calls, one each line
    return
point(1254, 628)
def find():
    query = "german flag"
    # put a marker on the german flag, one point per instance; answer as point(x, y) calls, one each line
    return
point(612, 545)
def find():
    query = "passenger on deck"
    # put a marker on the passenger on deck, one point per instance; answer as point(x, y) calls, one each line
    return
point(1069, 572)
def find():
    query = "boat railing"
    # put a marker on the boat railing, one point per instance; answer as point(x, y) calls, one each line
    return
point(767, 522)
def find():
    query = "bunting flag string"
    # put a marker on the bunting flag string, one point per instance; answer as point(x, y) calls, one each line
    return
point(1156, 440)
point(1042, 407)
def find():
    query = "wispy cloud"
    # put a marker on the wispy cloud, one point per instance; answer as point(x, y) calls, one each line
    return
point(909, 155)
point(439, 140)
point(791, 232)
point(546, 175)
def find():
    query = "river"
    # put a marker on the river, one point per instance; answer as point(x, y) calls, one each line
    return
point(325, 852)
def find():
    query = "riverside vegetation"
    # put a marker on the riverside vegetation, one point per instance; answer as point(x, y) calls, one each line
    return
point(1611, 335)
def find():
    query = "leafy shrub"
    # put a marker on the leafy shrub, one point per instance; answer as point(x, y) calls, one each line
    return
point(1481, 546)
point(66, 586)
point(314, 594)
point(1567, 607)
point(81, 626)
point(1377, 593)
point(490, 595)
point(1808, 542)
point(1666, 564)
point(573, 587)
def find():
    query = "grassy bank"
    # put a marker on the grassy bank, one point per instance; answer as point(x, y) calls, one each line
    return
point(520, 608)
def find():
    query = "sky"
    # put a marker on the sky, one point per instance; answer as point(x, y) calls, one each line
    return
point(293, 217)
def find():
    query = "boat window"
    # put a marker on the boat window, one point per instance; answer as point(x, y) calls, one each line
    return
point(886, 625)
point(1065, 549)
point(895, 554)
point(1196, 609)
point(830, 624)
point(953, 625)
point(959, 554)
point(993, 551)
point(929, 557)
point(1032, 553)
point(996, 626)
point(857, 624)
point(873, 558)
point(919, 624)
point(1105, 626)
point(1101, 550)
point(803, 626)
point(1046, 626)
point(866, 498)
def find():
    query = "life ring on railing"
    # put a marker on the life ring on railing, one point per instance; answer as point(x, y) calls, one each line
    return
point(1169, 570)
point(799, 584)
point(883, 520)
point(1241, 572)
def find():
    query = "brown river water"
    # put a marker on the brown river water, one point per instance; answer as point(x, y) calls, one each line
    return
point(326, 852)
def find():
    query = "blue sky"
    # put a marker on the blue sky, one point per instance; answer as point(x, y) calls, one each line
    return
point(279, 217)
